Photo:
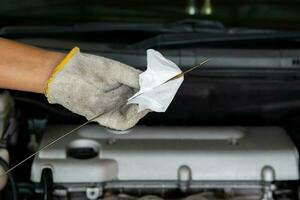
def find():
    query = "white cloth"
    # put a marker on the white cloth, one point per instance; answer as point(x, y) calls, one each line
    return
point(155, 93)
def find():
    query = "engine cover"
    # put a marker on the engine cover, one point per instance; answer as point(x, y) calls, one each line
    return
point(94, 154)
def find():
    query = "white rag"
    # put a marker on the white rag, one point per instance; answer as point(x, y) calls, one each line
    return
point(155, 93)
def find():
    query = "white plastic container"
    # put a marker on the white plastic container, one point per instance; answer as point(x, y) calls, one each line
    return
point(157, 153)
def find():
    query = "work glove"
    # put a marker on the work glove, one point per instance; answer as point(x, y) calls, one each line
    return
point(89, 85)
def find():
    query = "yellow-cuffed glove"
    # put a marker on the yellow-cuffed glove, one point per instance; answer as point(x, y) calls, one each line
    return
point(88, 85)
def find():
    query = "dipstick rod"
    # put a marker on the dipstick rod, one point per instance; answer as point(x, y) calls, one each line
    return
point(187, 71)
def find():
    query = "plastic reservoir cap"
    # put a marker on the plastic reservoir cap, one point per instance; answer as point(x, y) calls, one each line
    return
point(119, 132)
point(83, 149)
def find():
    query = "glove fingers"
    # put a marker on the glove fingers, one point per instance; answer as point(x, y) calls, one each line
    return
point(127, 75)
point(111, 99)
point(123, 91)
point(122, 118)
point(115, 70)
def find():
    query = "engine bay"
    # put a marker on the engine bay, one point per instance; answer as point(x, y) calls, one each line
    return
point(148, 161)
point(232, 132)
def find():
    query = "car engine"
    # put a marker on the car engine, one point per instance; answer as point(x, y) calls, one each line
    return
point(236, 138)
point(196, 162)
point(152, 162)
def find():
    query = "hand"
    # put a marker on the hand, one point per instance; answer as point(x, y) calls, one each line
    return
point(89, 85)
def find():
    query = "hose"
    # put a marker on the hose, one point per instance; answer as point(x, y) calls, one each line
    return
point(47, 184)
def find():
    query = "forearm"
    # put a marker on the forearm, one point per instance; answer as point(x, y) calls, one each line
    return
point(24, 67)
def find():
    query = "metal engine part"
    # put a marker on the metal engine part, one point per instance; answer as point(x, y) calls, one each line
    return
point(197, 196)
point(159, 159)
point(6, 106)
